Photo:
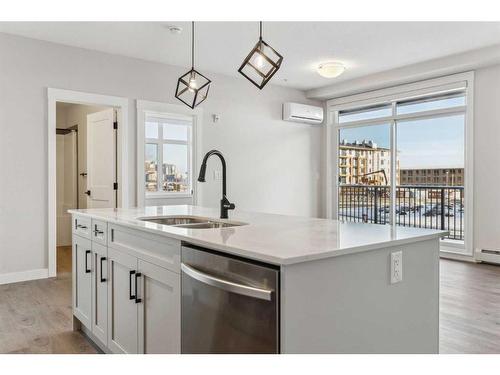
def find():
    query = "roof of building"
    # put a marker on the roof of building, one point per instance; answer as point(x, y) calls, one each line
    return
point(364, 145)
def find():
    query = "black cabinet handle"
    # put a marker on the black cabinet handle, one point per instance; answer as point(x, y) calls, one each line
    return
point(103, 279)
point(97, 231)
point(87, 270)
point(137, 299)
point(131, 296)
point(81, 226)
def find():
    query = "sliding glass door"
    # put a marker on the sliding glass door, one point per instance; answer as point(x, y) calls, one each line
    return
point(403, 161)
point(364, 174)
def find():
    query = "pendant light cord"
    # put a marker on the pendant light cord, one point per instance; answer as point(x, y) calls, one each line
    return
point(192, 45)
point(260, 30)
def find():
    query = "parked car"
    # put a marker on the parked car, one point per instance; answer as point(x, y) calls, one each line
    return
point(402, 210)
point(385, 209)
point(432, 211)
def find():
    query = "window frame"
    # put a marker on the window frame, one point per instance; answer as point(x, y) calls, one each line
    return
point(403, 93)
point(160, 142)
point(146, 109)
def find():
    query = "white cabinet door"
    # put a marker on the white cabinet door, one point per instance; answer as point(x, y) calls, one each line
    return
point(122, 306)
point(159, 311)
point(82, 280)
point(100, 292)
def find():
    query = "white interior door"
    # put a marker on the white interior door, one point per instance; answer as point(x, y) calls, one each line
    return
point(101, 159)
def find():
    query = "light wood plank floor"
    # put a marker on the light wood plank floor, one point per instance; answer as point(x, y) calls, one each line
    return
point(35, 316)
point(470, 308)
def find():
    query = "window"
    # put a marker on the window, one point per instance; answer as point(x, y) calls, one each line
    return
point(168, 154)
point(431, 103)
point(367, 113)
point(425, 138)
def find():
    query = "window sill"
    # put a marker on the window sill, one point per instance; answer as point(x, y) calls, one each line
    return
point(168, 196)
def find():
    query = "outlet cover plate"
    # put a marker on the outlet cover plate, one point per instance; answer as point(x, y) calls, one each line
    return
point(396, 267)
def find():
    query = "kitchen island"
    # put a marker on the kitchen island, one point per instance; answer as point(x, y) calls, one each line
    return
point(342, 288)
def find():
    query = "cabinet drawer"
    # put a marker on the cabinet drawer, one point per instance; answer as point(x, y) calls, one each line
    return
point(100, 232)
point(81, 226)
point(163, 251)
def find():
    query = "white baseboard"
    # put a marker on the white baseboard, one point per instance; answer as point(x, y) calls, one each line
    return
point(16, 277)
point(456, 256)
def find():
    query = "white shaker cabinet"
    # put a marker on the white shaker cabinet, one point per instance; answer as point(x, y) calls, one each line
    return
point(82, 280)
point(126, 287)
point(122, 302)
point(100, 278)
point(159, 312)
point(143, 306)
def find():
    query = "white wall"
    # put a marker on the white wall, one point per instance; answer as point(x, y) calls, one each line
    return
point(487, 158)
point(272, 166)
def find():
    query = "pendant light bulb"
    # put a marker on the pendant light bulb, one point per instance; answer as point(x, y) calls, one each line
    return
point(192, 82)
point(259, 61)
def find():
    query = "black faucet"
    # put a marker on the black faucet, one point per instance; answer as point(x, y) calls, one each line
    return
point(225, 205)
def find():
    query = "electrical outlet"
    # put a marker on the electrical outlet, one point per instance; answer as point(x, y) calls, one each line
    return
point(396, 267)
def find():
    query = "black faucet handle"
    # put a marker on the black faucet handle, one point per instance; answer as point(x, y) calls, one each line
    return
point(226, 204)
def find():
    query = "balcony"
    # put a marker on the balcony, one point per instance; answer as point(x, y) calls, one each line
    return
point(433, 207)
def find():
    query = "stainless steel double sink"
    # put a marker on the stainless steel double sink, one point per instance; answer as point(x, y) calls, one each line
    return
point(191, 222)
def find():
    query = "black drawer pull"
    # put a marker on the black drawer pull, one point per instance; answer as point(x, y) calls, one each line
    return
point(97, 231)
point(137, 299)
point(87, 270)
point(131, 296)
point(80, 226)
point(103, 279)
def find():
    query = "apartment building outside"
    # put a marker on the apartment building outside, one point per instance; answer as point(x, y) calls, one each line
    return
point(364, 163)
point(433, 176)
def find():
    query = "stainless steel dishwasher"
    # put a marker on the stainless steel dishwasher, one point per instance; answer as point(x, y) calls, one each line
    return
point(229, 305)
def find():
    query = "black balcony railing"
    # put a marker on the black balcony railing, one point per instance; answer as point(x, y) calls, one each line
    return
point(434, 207)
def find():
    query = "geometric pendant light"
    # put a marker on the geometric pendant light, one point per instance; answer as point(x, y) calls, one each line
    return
point(192, 87)
point(261, 63)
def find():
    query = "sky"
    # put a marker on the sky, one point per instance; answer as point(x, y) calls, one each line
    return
point(431, 143)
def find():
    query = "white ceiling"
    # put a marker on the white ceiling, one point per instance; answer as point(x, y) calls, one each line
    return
point(365, 47)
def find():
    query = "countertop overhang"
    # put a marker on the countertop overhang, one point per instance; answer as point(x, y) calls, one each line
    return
point(271, 238)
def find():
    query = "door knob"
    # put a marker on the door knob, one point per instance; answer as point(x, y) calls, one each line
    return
point(87, 192)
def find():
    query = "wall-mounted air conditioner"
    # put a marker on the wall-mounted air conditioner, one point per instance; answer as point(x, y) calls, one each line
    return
point(302, 113)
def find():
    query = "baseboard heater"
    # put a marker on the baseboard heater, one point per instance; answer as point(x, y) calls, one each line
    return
point(490, 256)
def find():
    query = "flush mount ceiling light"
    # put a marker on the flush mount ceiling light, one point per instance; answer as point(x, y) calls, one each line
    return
point(331, 69)
point(192, 87)
point(261, 63)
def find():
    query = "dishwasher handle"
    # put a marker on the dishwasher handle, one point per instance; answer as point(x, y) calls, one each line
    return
point(227, 285)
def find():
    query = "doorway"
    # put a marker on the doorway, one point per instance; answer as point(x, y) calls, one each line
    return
point(92, 129)
point(85, 168)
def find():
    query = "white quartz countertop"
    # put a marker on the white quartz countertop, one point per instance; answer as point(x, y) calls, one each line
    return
point(276, 239)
